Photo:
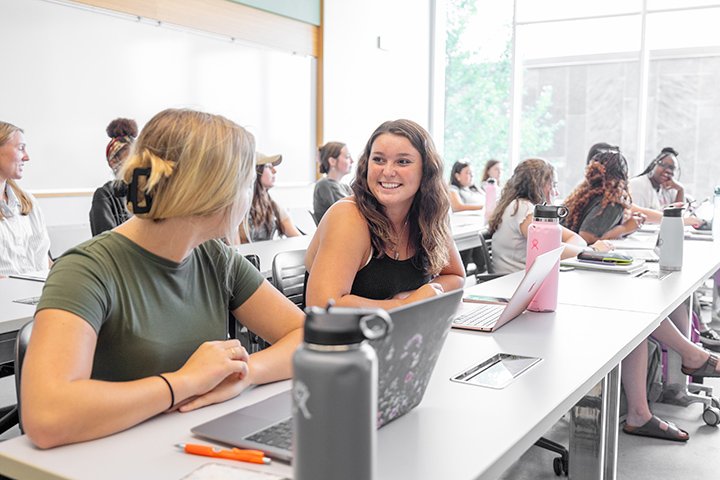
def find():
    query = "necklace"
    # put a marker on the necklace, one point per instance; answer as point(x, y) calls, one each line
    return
point(396, 252)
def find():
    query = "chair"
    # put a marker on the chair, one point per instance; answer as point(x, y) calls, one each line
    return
point(11, 415)
point(250, 341)
point(288, 275)
point(561, 463)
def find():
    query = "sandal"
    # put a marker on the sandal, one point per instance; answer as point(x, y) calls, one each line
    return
point(707, 369)
point(651, 428)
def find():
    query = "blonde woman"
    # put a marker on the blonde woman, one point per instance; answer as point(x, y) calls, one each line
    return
point(133, 322)
point(24, 242)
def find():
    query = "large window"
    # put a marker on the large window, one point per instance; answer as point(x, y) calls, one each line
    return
point(586, 72)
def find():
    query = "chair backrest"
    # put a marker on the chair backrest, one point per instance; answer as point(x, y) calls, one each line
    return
point(288, 275)
point(21, 343)
point(485, 245)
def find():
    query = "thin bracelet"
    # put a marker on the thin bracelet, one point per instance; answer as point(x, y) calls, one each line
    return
point(172, 392)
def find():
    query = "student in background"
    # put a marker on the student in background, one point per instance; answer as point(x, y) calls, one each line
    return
point(133, 322)
point(600, 208)
point(532, 183)
point(464, 195)
point(493, 169)
point(656, 186)
point(390, 243)
point(24, 242)
point(109, 202)
point(335, 163)
point(266, 218)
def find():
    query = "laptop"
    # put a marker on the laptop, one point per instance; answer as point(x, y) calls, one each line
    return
point(486, 314)
point(412, 348)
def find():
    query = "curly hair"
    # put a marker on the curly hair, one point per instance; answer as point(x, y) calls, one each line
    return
point(456, 169)
point(528, 181)
point(428, 221)
point(328, 151)
point(605, 177)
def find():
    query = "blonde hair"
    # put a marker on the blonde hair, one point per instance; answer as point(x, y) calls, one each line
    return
point(200, 164)
point(7, 130)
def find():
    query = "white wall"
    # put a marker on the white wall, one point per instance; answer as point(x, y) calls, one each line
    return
point(365, 85)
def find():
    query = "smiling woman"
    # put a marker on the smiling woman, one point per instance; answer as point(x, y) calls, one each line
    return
point(24, 242)
point(389, 244)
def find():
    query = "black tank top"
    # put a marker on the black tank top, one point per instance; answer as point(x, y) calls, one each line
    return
point(384, 277)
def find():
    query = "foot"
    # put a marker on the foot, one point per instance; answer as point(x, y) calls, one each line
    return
point(710, 366)
point(657, 428)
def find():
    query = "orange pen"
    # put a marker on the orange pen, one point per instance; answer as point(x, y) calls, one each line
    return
point(251, 456)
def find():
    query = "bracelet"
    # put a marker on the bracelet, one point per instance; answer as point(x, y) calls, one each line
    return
point(172, 392)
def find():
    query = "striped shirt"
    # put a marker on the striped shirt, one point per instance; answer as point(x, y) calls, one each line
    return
point(24, 241)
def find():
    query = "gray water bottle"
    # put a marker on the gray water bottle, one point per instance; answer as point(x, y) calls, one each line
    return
point(669, 245)
point(335, 382)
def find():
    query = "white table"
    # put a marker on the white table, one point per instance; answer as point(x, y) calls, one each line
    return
point(14, 315)
point(457, 432)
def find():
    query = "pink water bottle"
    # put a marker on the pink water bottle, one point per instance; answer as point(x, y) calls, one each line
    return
point(545, 234)
point(490, 198)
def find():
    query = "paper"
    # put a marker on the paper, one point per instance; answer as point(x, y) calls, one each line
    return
point(218, 471)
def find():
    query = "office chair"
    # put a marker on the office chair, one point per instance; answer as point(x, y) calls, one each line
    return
point(250, 341)
point(561, 463)
point(11, 415)
point(288, 275)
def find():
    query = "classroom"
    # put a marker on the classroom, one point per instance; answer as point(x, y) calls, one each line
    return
point(432, 237)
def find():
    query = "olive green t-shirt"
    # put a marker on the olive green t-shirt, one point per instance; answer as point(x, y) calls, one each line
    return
point(150, 313)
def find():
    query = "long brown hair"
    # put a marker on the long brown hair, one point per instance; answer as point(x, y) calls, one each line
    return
point(264, 214)
point(605, 177)
point(528, 182)
point(488, 165)
point(6, 131)
point(328, 151)
point(428, 222)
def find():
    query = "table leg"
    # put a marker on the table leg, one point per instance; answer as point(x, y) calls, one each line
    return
point(594, 431)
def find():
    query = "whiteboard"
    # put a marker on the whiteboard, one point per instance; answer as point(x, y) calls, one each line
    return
point(68, 71)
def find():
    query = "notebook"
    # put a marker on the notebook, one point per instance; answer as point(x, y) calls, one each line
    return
point(485, 315)
point(411, 349)
point(631, 268)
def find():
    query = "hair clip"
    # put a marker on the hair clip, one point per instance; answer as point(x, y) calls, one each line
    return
point(133, 191)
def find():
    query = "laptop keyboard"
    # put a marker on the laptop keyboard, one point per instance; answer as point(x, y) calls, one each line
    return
point(278, 435)
point(482, 316)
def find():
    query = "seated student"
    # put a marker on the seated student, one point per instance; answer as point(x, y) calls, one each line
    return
point(24, 242)
point(649, 215)
point(656, 186)
point(532, 183)
point(390, 243)
point(599, 208)
point(133, 322)
point(493, 169)
point(464, 195)
point(266, 218)
point(335, 163)
point(108, 208)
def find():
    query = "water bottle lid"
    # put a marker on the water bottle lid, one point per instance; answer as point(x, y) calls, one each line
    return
point(492, 181)
point(550, 211)
point(345, 326)
point(673, 211)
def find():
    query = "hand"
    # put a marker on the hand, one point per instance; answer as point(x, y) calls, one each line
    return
point(603, 246)
point(635, 221)
point(211, 364)
point(693, 221)
point(231, 387)
point(426, 291)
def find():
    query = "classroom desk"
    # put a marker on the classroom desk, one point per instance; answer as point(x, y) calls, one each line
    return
point(466, 226)
point(14, 315)
point(458, 431)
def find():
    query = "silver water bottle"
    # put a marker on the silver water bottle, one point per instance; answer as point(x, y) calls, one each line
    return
point(670, 240)
point(335, 382)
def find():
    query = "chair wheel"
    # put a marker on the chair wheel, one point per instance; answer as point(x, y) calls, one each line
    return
point(711, 416)
point(560, 466)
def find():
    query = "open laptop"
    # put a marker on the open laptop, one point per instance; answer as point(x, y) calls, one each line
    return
point(411, 349)
point(487, 314)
